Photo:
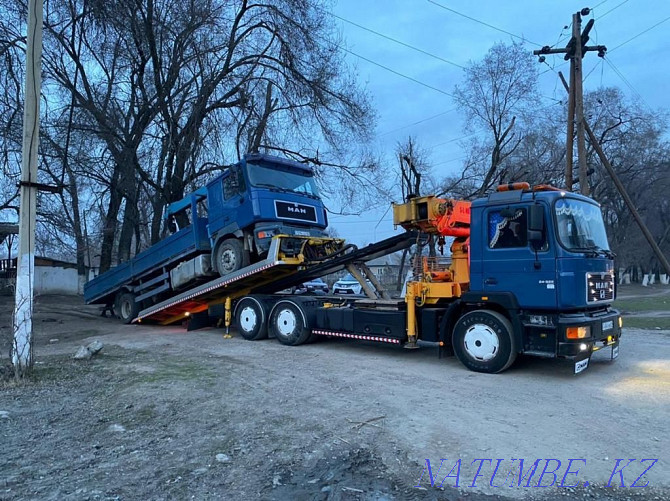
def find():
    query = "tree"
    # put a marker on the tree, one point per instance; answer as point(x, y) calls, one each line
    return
point(169, 92)
point(496, 93)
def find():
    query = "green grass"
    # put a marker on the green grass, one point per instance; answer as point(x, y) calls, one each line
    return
point(654, 303)
point(647, 322)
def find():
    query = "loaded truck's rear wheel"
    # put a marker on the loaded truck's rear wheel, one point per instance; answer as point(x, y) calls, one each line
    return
point(289, 324)
point(250, 318)
point(230, 256)
point(483, 341)
point(127, 309)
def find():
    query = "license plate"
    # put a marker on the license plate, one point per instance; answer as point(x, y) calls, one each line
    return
point(302, 233)
point(608, 325)
point(615, 351)
point(581, 365)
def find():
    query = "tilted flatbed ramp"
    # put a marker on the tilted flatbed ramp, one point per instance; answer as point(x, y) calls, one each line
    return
point(271, 275)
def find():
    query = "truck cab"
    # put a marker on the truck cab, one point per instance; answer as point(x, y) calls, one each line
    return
point(256, 199)
point(545, 254)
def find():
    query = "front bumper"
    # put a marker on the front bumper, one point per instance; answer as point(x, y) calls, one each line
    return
point(604, 332)
point(271, 229)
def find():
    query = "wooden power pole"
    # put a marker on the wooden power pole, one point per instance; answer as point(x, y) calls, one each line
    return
point(22, 353)
point(622, 191)
point(575, 51)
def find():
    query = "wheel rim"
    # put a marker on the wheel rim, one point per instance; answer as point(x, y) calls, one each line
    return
point(286, 322)
point(228, 261)
point(248, 319)
point(481, 342)
point(126, 308)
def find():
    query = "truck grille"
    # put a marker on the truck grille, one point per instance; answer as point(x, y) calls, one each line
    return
point(599, 287)
point(295, 211)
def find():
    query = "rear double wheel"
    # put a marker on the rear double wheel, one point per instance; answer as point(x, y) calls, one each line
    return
point(126, 308)
point(289, 323)
point(250, 318)
point(483, 340)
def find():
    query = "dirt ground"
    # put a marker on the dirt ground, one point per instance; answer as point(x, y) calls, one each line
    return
point(162, 413)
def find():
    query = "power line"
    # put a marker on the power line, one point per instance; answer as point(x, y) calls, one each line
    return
point(640, 34)
point(419, 122)
point(393, 71)
point(484, 23)
point(613, 9)
point(625, 80)
point(440, 58)
point(596, 6)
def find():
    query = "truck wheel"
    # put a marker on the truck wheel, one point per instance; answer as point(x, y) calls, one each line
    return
point(127, 307)
point(250, 319)
point(230, 256)
point(483, 341)
point(288, 323)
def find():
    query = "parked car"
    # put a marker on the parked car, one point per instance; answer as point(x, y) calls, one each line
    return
point(349, 285)
point(315, 286)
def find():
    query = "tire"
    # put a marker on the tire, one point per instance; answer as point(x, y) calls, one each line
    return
point(250, 319)
point(230, 256)
point(288, 323)
point(483, 340)
point(127, 308)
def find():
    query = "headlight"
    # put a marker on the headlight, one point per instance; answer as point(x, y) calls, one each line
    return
point(578, 332)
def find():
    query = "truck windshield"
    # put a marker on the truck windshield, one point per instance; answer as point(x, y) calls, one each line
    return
point(267, 177)
point(580, 225)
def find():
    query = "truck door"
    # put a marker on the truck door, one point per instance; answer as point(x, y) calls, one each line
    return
point(513, 264)
point(236, 206)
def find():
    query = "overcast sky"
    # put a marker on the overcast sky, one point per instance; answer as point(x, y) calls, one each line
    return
point(460, 31)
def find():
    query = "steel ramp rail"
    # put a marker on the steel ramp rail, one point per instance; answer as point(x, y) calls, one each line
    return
point(268, 276)
point(337, 263)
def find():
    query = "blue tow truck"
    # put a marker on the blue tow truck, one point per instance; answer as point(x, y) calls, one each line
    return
point(530, 273)
point(217, 230)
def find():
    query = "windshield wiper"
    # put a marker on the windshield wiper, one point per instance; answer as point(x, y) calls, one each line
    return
point(594, 251)
point(273, 187)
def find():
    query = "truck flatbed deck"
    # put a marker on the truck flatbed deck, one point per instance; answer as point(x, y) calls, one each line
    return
point(276, 273)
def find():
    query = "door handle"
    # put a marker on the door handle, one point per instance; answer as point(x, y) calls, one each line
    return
point(491, 281)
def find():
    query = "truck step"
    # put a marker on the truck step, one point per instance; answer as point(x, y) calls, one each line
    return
point(362, 337)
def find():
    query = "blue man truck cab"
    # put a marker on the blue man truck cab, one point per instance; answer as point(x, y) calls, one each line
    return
point(218, 229)
point(256, 199)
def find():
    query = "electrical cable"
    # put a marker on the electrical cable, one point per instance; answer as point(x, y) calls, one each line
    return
point(439, 58)
point(639, 34)
point(484, 23)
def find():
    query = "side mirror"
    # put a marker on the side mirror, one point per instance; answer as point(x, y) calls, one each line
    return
point(535, 223)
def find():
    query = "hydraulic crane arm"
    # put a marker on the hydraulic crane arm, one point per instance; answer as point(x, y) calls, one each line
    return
point(436, 216)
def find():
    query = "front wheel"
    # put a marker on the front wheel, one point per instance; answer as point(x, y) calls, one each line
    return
point(483, 341)
point(230, 256)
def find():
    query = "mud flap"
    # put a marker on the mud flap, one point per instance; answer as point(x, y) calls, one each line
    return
point(581, 365)
point(615, 350)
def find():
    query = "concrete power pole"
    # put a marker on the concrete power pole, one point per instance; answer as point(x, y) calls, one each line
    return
point(23, 323)
point(575, 51)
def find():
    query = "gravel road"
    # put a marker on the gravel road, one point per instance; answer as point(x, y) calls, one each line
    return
point(163, 413)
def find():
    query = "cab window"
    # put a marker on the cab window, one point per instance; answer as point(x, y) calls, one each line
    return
point(233, 183)
point(507, 228)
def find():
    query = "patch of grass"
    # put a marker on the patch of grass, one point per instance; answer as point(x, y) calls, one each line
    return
point(647, 322)
point(654, 303)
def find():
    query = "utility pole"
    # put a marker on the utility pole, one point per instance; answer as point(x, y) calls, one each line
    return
point(575, 51)
point(22, 353)
point(622, 191)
